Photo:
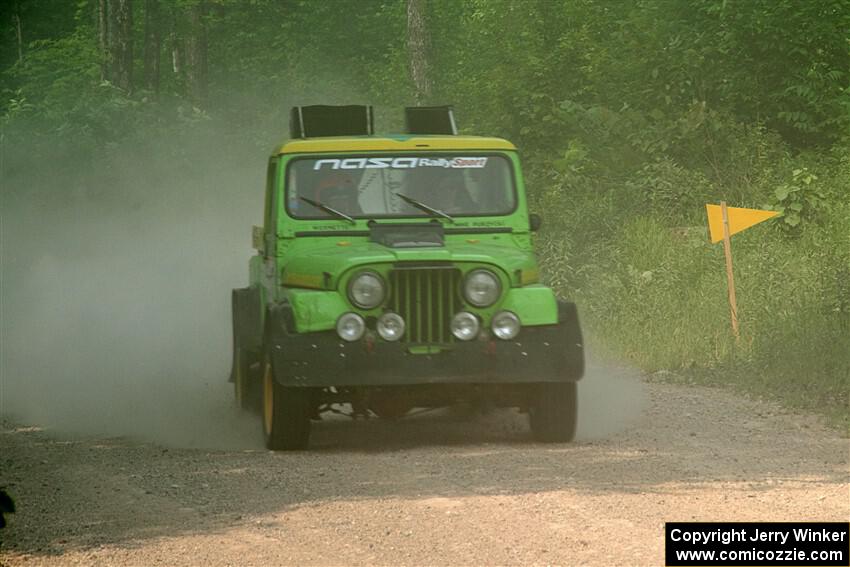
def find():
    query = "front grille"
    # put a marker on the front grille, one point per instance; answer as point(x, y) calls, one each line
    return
point(427, 298)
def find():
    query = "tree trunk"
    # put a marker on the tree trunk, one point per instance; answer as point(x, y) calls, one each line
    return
point(418, 45)
point(19, 34)
point(119, 36)
point(153, 45)
point(103, 39)
point(176, 58)
point(196, 53)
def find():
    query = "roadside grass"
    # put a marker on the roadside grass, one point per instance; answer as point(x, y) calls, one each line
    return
point(654, 292)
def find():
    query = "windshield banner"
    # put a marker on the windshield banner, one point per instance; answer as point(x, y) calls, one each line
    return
point(401, 163)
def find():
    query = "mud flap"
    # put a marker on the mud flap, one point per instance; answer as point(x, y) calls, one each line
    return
point(572, 339)
point(247, 321)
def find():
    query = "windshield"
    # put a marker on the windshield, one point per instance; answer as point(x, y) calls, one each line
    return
point(408, 185)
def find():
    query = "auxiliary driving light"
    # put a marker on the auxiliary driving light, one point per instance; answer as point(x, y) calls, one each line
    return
point(465, 326)
point(350, 327)
point(390, 326)
point(505, 325)
point(366, 290)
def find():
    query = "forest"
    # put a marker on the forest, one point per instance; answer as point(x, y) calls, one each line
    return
point(630, 117)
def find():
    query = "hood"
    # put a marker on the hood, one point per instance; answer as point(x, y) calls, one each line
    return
point(319, 264)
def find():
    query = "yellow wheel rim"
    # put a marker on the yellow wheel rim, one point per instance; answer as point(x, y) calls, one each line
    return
point(268, 398)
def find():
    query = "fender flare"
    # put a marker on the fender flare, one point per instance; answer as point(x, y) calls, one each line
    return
point(247, 314)
point(278, 325)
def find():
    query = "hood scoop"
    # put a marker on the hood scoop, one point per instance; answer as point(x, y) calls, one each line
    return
point(407, 235)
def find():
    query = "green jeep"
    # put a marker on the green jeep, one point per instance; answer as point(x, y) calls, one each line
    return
point(396, 272)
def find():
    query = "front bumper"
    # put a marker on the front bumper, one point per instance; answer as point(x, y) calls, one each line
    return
point(548, 353)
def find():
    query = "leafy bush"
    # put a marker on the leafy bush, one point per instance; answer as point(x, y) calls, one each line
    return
point(797, 199)
point(668, 190)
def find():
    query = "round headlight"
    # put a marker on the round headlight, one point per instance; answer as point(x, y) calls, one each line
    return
point(465, 326)
point(366, 290)
point(350, 327)
point(390, 326)
point(482, 288)
point(505, 325)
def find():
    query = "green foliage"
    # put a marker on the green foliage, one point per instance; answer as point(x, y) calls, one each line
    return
point(798, 199)
point(56, 72)
point(670, 190)
point(657, 295)
point(630, 115)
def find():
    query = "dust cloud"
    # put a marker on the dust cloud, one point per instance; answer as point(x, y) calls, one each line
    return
point(611, 398)
point(115, 296)
point(115, 284)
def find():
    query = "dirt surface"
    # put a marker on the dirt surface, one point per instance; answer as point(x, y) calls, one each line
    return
point(438, 489)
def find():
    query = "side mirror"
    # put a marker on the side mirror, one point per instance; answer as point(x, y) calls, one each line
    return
point(534, 222)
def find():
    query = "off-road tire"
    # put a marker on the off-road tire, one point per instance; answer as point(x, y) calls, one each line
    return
point(390, 407)
point(553, 412)
point(286, 414)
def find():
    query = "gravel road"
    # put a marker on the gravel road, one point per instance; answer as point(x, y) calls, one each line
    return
point(443, 488)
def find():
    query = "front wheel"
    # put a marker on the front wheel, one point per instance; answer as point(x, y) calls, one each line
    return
point(286, 414)
point(554, 411)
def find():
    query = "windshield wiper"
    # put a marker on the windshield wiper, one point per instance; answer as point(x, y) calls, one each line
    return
point(328, 209)
point(423, 207)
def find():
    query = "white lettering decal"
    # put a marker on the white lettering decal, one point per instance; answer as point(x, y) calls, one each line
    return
point(469, 162)
point(440, 162)
point(404, 162)
point(378, 163)
point(334, 163)
point(353, 163)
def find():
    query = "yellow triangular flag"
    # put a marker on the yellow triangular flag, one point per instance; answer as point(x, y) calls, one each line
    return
point(739, 219)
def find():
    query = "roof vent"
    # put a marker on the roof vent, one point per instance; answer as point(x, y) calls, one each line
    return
point(430, 120)
point(323, 120)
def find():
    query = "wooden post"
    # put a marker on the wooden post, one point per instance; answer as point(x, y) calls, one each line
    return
point(730, 279)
